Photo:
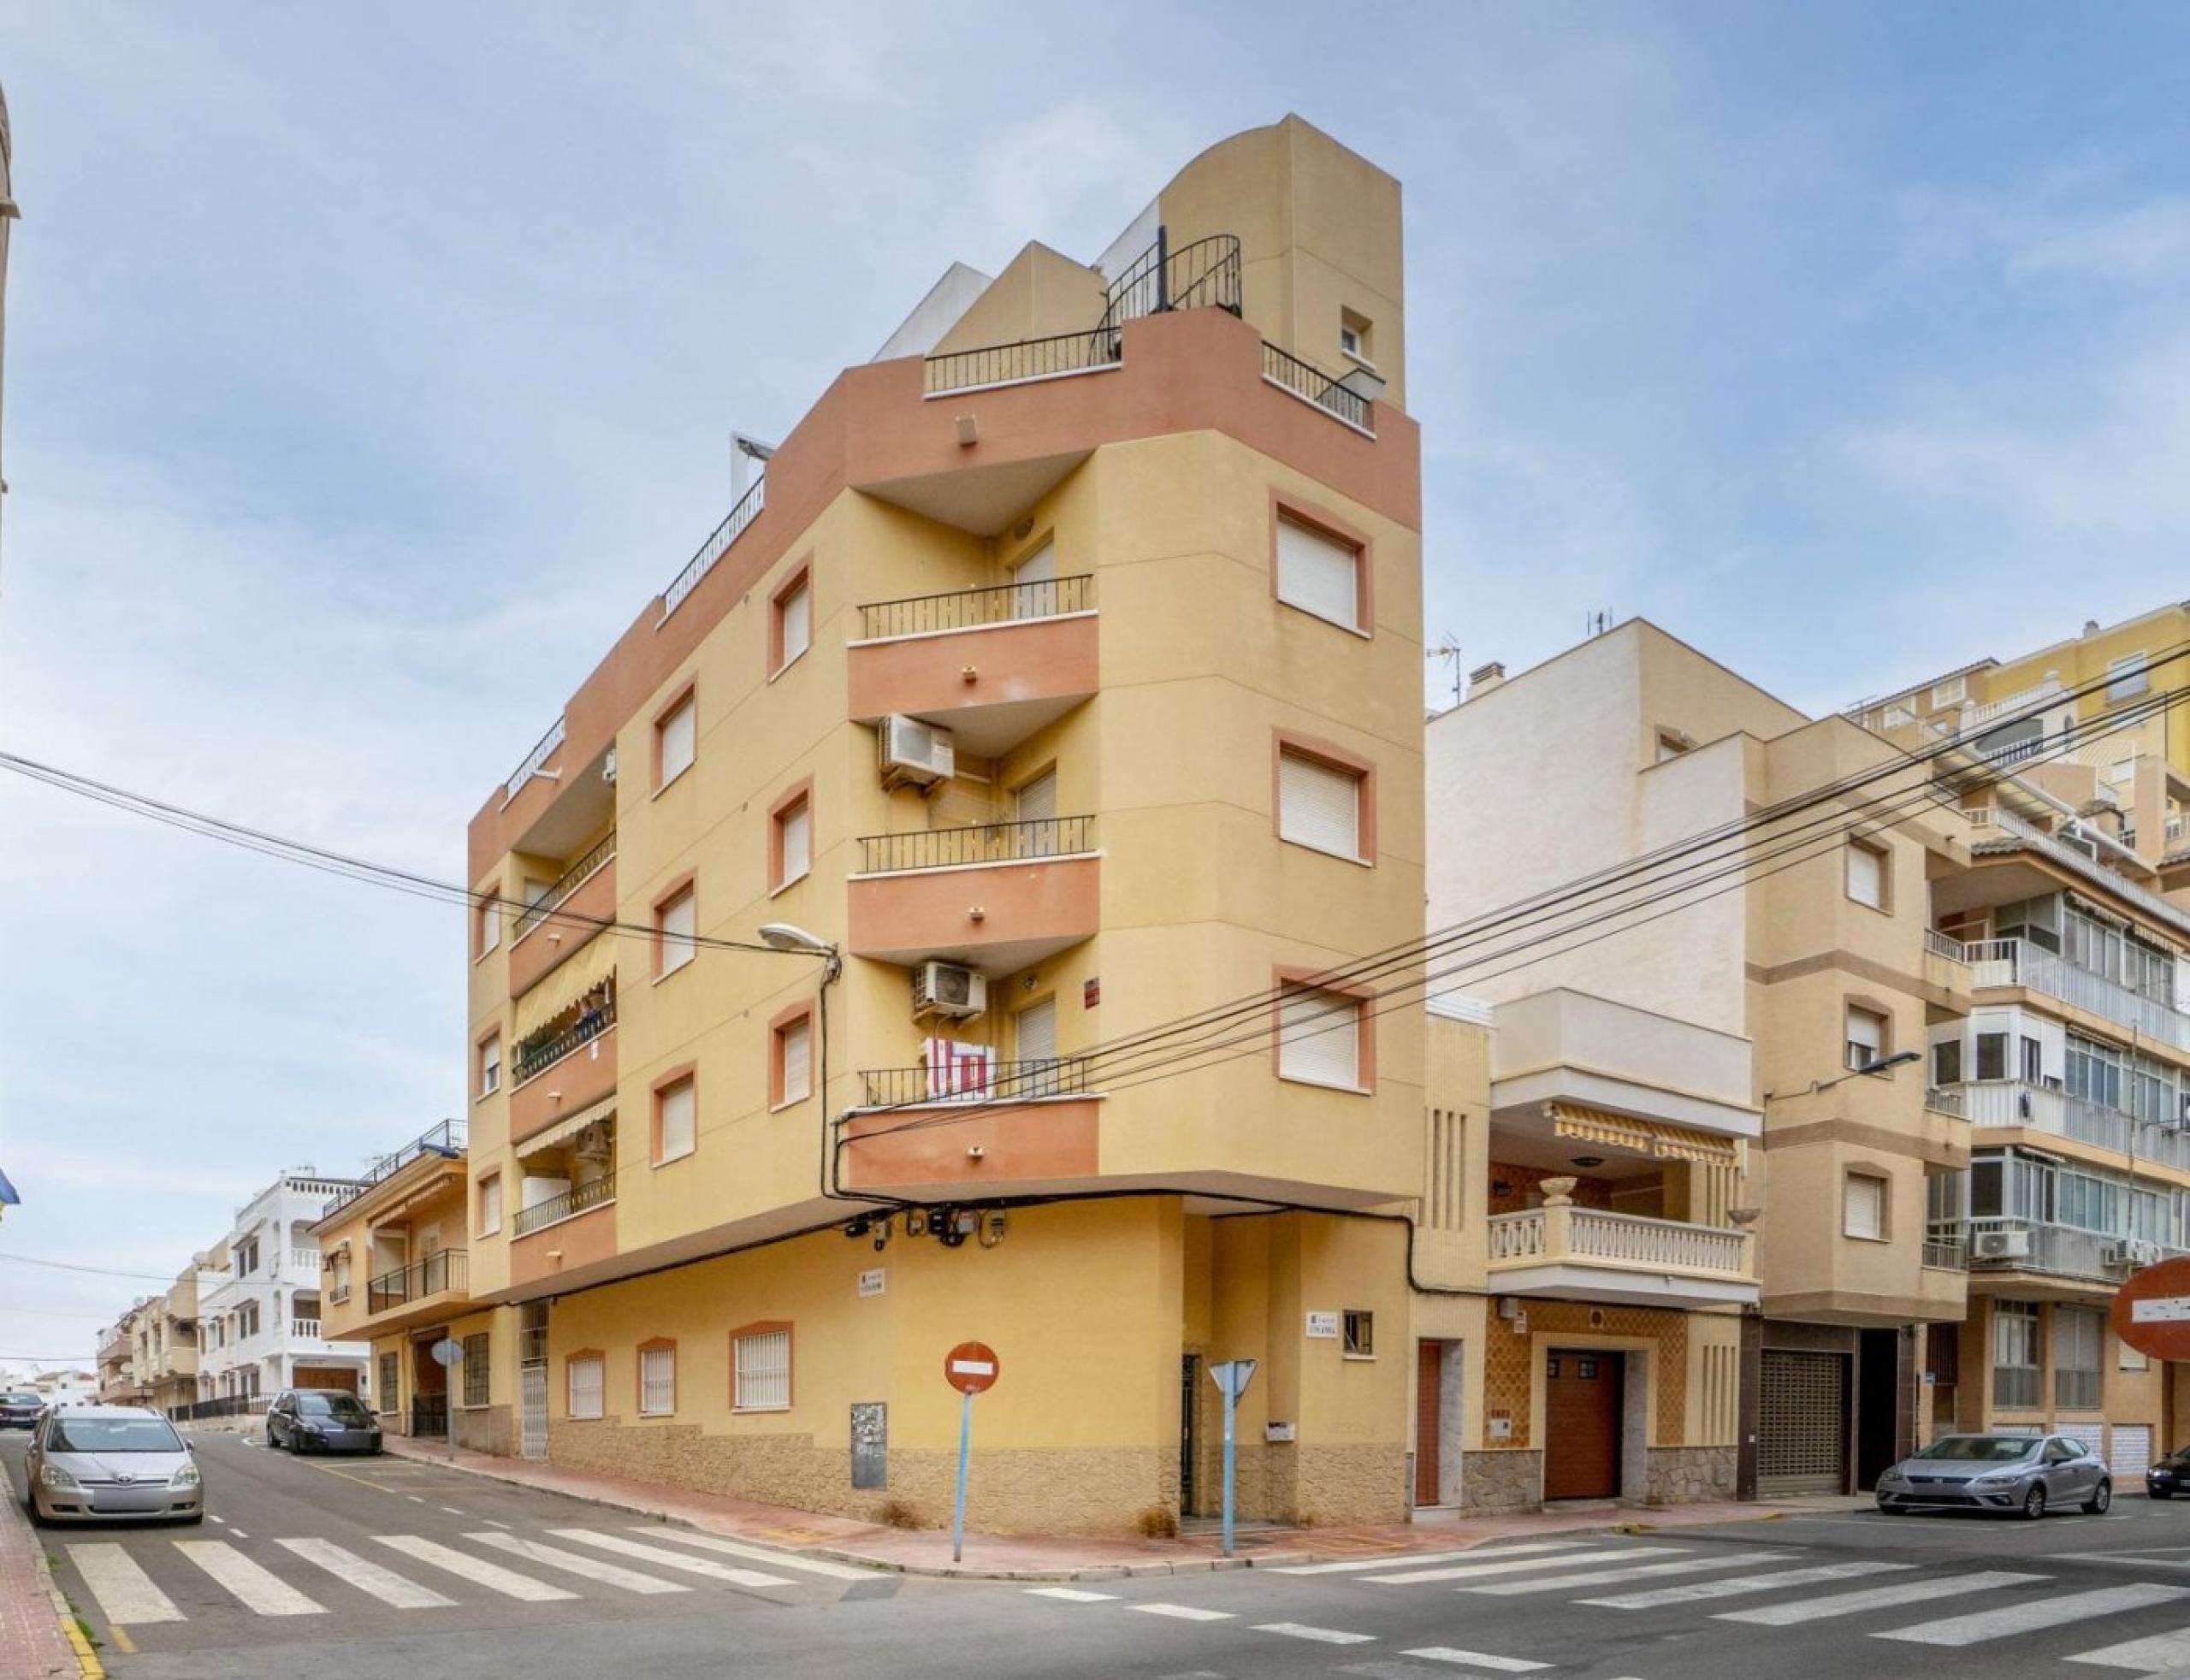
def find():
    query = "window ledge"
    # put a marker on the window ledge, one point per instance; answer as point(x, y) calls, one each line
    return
point(1328, 1084)
point(756, 1410)
point(789, 1102)
point(784, 886)
point(1321, 619)
point(1325, 851)
point(670, 973)
point(1358, 1358)
point(667, 782)
point(792, 661)
point(666, 1160)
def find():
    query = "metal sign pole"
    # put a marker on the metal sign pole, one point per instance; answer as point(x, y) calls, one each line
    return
point(965, 1447)
point(1231, 1378)
point(1231, 1411)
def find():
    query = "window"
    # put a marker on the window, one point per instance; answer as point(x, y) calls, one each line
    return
point(586, 1373)
point(1360, 1329)
point(677, 740)
point(1950, 691)
point(1036, 798)
point(391, 1367)
point(1946, 1063)
point(487, 921)
point(794, 841)
point(1866, 874)
point(490, 1064)
point(1671, 744)
point(1034, 1032)
point(490, 1204)
point(794, 621)
point(1991, 1055)
point(676, 924)
point(476, 1364)
point(1319, 804)
point(795, 1060)
point(1354, 335)
point(2079, 1334)
point(1319, 573)
point(1866, 1037)
point(761, 1361)
point(657, 1379)
point(2127, 677)
point(2126, 1359)
point(1898, 715)
point(2014, 1353)
point(675, 1119)
point(1039, 567)
point(2033, 1068)
point(1862, 1204)
point(1319, 1038)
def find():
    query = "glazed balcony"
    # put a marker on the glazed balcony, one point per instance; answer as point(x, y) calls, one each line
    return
point(558, 1072)
point(2080, 1261)
point(1990, 1103)
point(2017, 963)
point(991, 664)
point(1566, 1253)
point(972, 1127)
point(571, 913)
point(995, 895)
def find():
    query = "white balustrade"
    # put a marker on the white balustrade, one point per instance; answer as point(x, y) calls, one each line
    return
point(1592, 1236)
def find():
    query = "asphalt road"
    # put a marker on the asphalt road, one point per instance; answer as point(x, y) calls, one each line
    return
point(367, 1569)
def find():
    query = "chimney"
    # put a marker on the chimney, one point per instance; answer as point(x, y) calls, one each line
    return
point(1485, 678)
point(2091, 627)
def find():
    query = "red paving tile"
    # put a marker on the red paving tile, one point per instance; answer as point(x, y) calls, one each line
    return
point(31, 1647)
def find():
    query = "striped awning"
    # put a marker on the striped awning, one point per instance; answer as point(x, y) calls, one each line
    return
point(563, 1130)
point(565, 983)
point(1652, 1138)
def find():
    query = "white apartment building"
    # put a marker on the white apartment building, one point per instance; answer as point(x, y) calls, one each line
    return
point(259, 1329)
point(56, 1388)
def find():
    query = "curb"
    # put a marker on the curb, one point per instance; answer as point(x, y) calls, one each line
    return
point(89, 1667)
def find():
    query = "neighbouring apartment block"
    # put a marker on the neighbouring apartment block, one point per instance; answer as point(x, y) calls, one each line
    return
point(261, 1304)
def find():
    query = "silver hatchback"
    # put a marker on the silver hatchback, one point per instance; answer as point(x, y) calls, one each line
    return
point(2025, 1475)
point(112, 1464)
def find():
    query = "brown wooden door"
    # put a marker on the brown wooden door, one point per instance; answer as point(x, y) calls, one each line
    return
point(1429, 1373)
point(1581, 1424)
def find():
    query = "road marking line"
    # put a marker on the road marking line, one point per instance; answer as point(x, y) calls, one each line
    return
point(1069, 1594)
point(259, 1587)
point(1688, 1591)
point(506, 1581)
point(1183, 1613)
point(124, 1591)
point(2034, 1614)
point(223, 1521)
point(1446, 1653)
point(238, 1533)
point(828, 1566)
point(594, 1569)
point(655, 1554)
point(1517, 1565)
point(2164, 1653)
point(366, 1575)
point(492, 1523)
point(414, 1498)
point(121, 1639)
point(1327, 1636)
point(1876, 1598)
point(1357, 1566)
point(452, 1510)
point(1606, 1577)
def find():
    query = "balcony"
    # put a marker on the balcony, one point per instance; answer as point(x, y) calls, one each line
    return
point(1572, 1253)
point(992, 664)
point(997, 895)
point(566, 1238)
point(446, 1141)
point(2011, 1102)
point(305, 1329)
point(568, 914)
point(2010, 833)
point(423, 1282)
point(1336, 396)
point(573, 1202)
point(2017, 963)
point(2033, 1248)
point(566, 1066)
point(1946, 963)
point(966, 1125)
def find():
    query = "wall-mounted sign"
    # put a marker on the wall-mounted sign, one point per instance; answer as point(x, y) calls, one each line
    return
point(1501, 1426)
point(1090, 993)
point(1323, 1327)
point(873, 1283)
point(1278, 1431)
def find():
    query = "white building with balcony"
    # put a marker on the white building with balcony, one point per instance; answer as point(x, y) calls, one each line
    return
point(260, 1316)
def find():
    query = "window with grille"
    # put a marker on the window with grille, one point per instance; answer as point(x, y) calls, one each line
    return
point(474, 1369)
point(391, 1371)
point(587, 1385)
point(1319, 573)
point(1318, 804)
point(676, 1112)
point(795, 1060)
point(2016, 1371)
point(1866, 1037)
point(2078, 1335)
point(794, 622)
point(761, 1361)
point(677, 922)
point(1319, 1038)
point(1360, 1332)
point(678, 735)
point(657, 1382)
point(1863, 1207)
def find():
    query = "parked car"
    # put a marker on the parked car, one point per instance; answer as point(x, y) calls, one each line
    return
point(2022, 1475)
point(2170, 1475)
point(20, 1412)
point(321, 1420)
point(111, 1463)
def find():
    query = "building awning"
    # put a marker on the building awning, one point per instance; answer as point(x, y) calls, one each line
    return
point(565, 983)
point(563, 1130)
point(1652, 1138)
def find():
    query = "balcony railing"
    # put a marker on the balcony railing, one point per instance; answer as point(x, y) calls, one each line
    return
point(986, 843)
point(1308, 382)
point(1618, 1238)
point(2012, 1102)
point(2018, 962)
point(575, 1200)
point(436, 1274)
point(974, 609)
point(2082, 860)
point(1975, 716)
point(1204, 274)
point(567, 884)
point(991, 1082)
point(2076, 1391)
point(1944, 945)
point(339, 1294)
point(2016, 1387)
point(542, 751)
point(304, 1261)
point(1944, 1099)
point(1946, 1256)
point(308, 1328)
point(2057, 1251)
point(448, 1140)
point(1027, 360)
point(535, 1057)
point(733, 526)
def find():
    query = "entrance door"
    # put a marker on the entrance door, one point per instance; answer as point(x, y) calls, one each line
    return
point(429, 1389)
point(1189, 1435)
point(1429, 1383)
point(1581, 1424)
point(1802, 1430)
point(1878, 1406)
point(533, 1420)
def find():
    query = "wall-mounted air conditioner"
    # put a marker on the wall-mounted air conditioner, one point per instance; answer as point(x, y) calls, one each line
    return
point(2001, 1245)
point(593, 1142)
point(949, 989)
point(915, 754)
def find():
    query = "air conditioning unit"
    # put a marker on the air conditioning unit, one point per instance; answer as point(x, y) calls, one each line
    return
point(2001, 1245)
point(2119, 1256)
point(949, 989)
point(2144, 1252)
point(915, 754)
point(593, 1143)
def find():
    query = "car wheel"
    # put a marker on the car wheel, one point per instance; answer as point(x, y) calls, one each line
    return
point(2101, 1497)
point(2033, 1502)
point(1886, 1510)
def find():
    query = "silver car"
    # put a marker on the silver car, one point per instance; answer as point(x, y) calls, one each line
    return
point(111, 1463)
point(2025, 1476)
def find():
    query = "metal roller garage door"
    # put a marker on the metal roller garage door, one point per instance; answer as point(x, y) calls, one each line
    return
point(2129, 1454)
point(1801, 1437)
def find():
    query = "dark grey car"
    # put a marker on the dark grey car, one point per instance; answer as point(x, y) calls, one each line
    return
point(321, 1420)
point(2024, 1476)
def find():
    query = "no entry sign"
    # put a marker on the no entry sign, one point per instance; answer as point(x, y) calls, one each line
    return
point(971, 1368)
point(2151, 1310)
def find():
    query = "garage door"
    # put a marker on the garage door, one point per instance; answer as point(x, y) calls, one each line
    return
point(2129, 1454)
point(1801, 1437)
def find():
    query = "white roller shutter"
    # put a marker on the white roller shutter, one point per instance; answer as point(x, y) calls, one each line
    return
point(1037, 1047)
point(1319, 804)
point(1037, 799)
point(798, 842)
point(2129, 1452)
point(1319, 1038)
point(679, 740)
point(1318, 574)
point(680, 922)
point(1864, 1205)
point(798, 610)
point(1039, 567)
point(798, 1061)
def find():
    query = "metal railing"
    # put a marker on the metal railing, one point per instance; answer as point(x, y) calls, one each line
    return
point(445, 1270)
point(1942, 1099)
point(2076, 1391)
point(1203, 275)
point(985, 842)
point(2014, 1102)
point(222, 1405)
point(575, 1200)
point(449, 1140)
point(2018, 962)
point(1623, 1239)
point(1941, 944)
point(542, 751)
point(430, 1414)
point(1946, 1256)
point(734, 525)
point(973, 609)
point(535, 1058)
point(2082, 861)
point(339, 1294)
point(2058, 1251)
point(1005, 1082)
point(567, 884)
point(1308, 382)
point(1026, 359)
point(2016, 1387)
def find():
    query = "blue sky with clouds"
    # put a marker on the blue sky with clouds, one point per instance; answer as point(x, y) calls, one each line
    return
point(367, 369)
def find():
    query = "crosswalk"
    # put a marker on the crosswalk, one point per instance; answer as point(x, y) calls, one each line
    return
point(147, 1583)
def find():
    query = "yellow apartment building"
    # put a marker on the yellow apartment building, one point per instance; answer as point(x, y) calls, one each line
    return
point(117, 1362)
point(1056, 682)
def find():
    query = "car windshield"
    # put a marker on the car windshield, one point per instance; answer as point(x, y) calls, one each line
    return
point(345, 1408)
point(111, 1434)
point(19, 1399)
point(1981, 1449)
point(2178, 1458)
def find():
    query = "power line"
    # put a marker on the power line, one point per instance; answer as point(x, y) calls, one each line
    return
point(101, 1271)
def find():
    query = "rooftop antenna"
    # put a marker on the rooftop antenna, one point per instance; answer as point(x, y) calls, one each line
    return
point(1596, 623)
point(1449, 651)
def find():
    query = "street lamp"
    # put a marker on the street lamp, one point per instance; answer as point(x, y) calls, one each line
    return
point(783, 936)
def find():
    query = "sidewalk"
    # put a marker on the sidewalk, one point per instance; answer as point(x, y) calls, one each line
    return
point(1071, 1557)
point(32, 1646)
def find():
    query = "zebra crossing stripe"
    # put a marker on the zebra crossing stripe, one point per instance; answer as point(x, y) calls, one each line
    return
point(1423, 1560)
point(1689, 1591)
point(1606, 1577)
point(2033, 1614)
point(2164, 1653)
point(732, 1548)
point(478, 1570)
point(1326, 1636)
point(594, 1569)
point(1508, 1563)
point(259, 1587)
point(126, 1593)
point(1069, 1594)
point(1446, 1653)
point(366, 1575)
point(667, 1559)
point(1183, 1613)
point(1876, 1598)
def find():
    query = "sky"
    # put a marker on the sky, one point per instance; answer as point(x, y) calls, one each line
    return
point(368, 368)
